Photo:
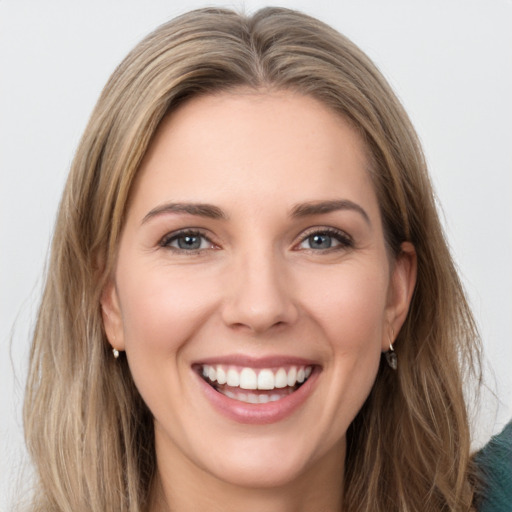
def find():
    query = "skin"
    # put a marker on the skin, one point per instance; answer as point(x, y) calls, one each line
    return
point(257, 286)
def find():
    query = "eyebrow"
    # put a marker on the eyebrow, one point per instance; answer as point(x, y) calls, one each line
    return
point(323, 207)
point(211, 211)
point(200, 209)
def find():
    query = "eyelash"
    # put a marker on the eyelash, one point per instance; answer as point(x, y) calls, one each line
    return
point(166, 241)
point(344, 240)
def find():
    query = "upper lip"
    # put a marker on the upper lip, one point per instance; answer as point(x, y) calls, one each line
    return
point(256, 362)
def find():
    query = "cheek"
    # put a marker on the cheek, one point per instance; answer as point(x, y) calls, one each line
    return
point(349, 304)
point(353, 317)
point(348, 307)
point(162, 308)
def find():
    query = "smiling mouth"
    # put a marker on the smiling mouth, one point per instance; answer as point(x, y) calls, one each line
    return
point(255, 386)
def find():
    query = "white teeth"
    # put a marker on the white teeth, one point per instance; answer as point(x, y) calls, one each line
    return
point(250, 378)
point(266, 379)
point(233, 378)
point(292, 376)
point(255, 398)
point(281, 380)
point(221, 375)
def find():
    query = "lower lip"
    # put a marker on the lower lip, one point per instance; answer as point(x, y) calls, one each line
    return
point(259, 414)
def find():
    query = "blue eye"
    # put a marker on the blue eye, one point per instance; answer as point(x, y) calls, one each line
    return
point(326, 239)
point(186, 241)
point(320, 241)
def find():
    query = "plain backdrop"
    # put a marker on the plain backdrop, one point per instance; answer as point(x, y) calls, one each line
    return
point(450, 62)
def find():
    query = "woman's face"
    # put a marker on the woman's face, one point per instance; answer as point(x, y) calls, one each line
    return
point(253, 293)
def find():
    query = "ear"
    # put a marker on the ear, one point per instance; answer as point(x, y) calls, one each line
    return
point(112, 318)
point(403, 281)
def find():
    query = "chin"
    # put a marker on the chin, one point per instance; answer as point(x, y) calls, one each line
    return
point(260, 471)
point(276, 460)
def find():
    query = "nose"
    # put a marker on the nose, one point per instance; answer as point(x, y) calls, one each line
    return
point(260, 295)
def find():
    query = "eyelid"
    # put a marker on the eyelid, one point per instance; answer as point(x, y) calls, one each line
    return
point(165, 241)
point(346, 241)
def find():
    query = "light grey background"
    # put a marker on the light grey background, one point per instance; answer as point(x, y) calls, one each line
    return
point(449, 61)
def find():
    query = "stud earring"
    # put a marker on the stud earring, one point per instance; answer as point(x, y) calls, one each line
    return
point(115, 352)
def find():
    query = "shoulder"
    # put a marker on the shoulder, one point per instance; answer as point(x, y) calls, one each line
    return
point(494, 465)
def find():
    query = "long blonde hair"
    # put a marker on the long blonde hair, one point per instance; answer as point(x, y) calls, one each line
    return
point(87, 429)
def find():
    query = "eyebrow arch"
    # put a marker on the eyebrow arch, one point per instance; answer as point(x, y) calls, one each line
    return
point(322, 207)
point(200, 209)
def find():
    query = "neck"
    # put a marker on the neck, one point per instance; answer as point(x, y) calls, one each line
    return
point(318, 488)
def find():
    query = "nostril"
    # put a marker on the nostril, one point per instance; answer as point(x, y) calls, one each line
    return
point(257, 328)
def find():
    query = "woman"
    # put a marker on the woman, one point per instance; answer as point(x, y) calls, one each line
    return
point(248, 224)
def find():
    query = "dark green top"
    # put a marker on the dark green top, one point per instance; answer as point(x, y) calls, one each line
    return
point(494, 462)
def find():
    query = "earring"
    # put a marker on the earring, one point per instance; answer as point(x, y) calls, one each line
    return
point(115, 352)
point(391, 357)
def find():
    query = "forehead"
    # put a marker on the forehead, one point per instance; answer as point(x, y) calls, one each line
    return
point(244, 145)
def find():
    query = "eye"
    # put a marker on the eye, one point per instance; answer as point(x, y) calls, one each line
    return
point(187, 241)
point(325, 239)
